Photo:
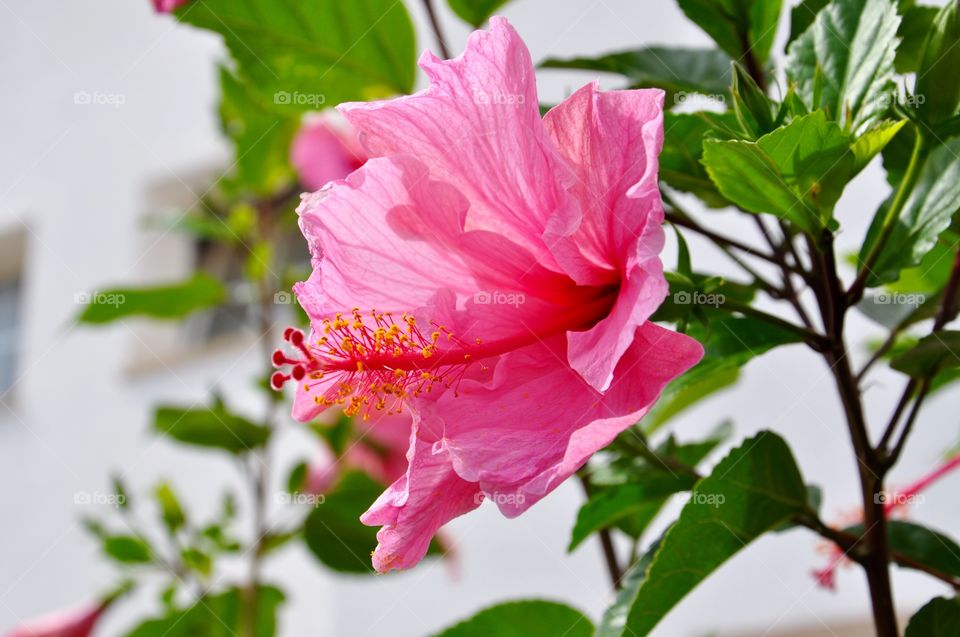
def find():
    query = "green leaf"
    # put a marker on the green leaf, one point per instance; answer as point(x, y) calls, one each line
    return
point(680, 167)
point(755, 489)
point(611, 504)
point(927, 212)
point(629, 492)
point(210, 427)
point(333, 531)
point(737, 26)
point(127, 549)
point(197, 560)
point(261, 141)
point(940, 617)
point(917, 22)
point(676, 70)
point(475, 12)
point(843, 63)
point(526, 618)
point(923, 545)
point(873, 141)
point(170, 508)
point(729, 344)
point(753, 108)
point(934, 352)
point(797, 172)
point(938, 77)
point(120, 491)
point(614, 620)
point(220, 615)
point(302, 56)
point(173, 301)
point(802, 16)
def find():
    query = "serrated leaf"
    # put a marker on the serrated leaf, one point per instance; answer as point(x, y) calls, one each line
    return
point(680, 166)
point(755, 489)
point(927, 212)
point(797, 172)
point(675, 70)
point(940, 617)
point(475, 12)
point(869, 144)
point(526, 618)
point(843, 63)
point(304, 55)
point(168, 302)
point(737, 26)
point(210, 427)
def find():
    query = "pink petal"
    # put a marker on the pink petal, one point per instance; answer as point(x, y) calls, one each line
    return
point(537, 421)
point(323, 152)
point(596, 353)
point(414, 508)
point(73, 623)
point(357, 232)
point(612, 140)
point(478, 128)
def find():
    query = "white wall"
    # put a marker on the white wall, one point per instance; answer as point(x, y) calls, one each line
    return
point(78, 178)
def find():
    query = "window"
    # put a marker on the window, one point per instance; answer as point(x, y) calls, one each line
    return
point(9, 332)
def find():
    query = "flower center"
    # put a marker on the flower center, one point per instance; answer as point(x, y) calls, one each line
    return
point(372, 362)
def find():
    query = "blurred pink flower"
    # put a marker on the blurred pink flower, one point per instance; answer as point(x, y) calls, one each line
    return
point(379, 450)
point(74, 623)
point(325, 149)
point(507, 266)
point(168, 6)
point(894, 503)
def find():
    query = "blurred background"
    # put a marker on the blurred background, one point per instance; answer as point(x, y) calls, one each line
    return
point(81, 181)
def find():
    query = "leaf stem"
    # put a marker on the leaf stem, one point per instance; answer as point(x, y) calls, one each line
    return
point(437, 30)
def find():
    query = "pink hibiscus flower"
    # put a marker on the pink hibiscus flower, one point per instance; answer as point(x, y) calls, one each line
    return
point(324, 150)
point(76, 623)
point(494, 272)
point(168, 6)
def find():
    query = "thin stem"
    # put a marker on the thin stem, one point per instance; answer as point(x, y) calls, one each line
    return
point(855, 293)
point(876, 558)
point(437, 31)
point(922, 386)
point(606, 544)
point(676, 217)
point(816, 341)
